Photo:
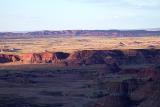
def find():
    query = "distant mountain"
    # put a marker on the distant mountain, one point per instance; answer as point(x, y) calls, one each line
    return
point(154, 29)
point(46, 33)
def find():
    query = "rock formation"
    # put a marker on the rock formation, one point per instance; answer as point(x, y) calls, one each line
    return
point(5, 58)
point(87, 57)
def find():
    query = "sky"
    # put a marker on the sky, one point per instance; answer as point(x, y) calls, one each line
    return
point(31, 15)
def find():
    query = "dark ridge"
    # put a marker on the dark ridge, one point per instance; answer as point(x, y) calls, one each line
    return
point(88, 57)
point(46, 33)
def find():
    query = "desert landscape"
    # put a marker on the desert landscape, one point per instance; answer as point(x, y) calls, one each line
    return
point(79, 53)
point(84, 71)
point(74, 40)
point(65, 44)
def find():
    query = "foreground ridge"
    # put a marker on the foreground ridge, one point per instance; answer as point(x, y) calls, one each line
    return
point(85, 57)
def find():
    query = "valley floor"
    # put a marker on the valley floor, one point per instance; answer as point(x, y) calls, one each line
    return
point(86, 86)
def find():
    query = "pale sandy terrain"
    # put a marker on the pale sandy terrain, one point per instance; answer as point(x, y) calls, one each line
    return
point(80, 43)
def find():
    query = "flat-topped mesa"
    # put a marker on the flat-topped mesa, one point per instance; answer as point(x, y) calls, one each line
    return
point(108, 33)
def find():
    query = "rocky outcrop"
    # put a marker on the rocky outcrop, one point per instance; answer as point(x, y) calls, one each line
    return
point(45, 57)
point(134, 92)
point(147, 95)
point(120, 57)
point(4, 58)
point(88, 57)
point(118, 93)
point(30, 58)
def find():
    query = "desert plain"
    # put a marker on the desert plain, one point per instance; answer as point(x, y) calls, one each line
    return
point(80, 72)
point(70, 44)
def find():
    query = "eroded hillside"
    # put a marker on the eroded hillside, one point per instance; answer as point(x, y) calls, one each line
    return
point(89, 78)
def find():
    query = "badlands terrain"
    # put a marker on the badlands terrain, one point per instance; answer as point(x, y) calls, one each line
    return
point(80, 71)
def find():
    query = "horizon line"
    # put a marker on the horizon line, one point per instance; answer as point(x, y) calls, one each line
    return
point(25, 31)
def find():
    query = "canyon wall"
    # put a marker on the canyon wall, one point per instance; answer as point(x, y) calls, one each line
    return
point(87, 57)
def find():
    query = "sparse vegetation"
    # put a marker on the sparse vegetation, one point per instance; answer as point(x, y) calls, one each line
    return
point(75, 43)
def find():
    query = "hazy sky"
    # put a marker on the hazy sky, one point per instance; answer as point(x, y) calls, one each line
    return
point(29, 15)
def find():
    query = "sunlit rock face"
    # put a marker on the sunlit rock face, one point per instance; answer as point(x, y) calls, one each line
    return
point(45, 57)
point(30, 58)
point(87, 57)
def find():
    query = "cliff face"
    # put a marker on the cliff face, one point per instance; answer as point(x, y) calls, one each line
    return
point(8, 58)
point(119, 56)
point(140, 91)
point(45, 57)
point(87, 57)
point(118, 93)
